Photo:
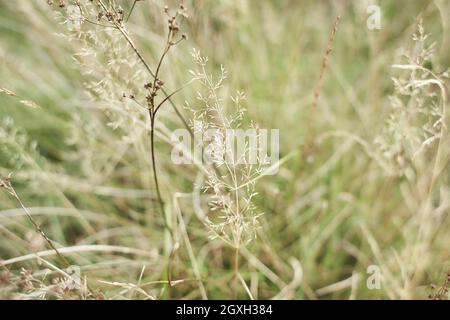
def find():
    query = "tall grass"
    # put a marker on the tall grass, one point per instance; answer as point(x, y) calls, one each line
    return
point(92, 91)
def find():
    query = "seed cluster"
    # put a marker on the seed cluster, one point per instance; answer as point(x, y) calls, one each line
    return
point(173, 38)
point(61, 3)
point(440, 293)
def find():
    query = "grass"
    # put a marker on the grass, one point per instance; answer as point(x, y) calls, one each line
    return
point(363, 180)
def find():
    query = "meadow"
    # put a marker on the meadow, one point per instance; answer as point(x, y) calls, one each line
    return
point(93, 206)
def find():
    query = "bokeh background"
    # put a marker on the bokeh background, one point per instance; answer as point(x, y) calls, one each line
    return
point(86, 176)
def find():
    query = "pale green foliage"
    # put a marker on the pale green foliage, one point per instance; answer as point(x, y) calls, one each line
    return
point(17, 147)
point(369, 185)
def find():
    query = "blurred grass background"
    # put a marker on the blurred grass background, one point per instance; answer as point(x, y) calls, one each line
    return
point(326, 213)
